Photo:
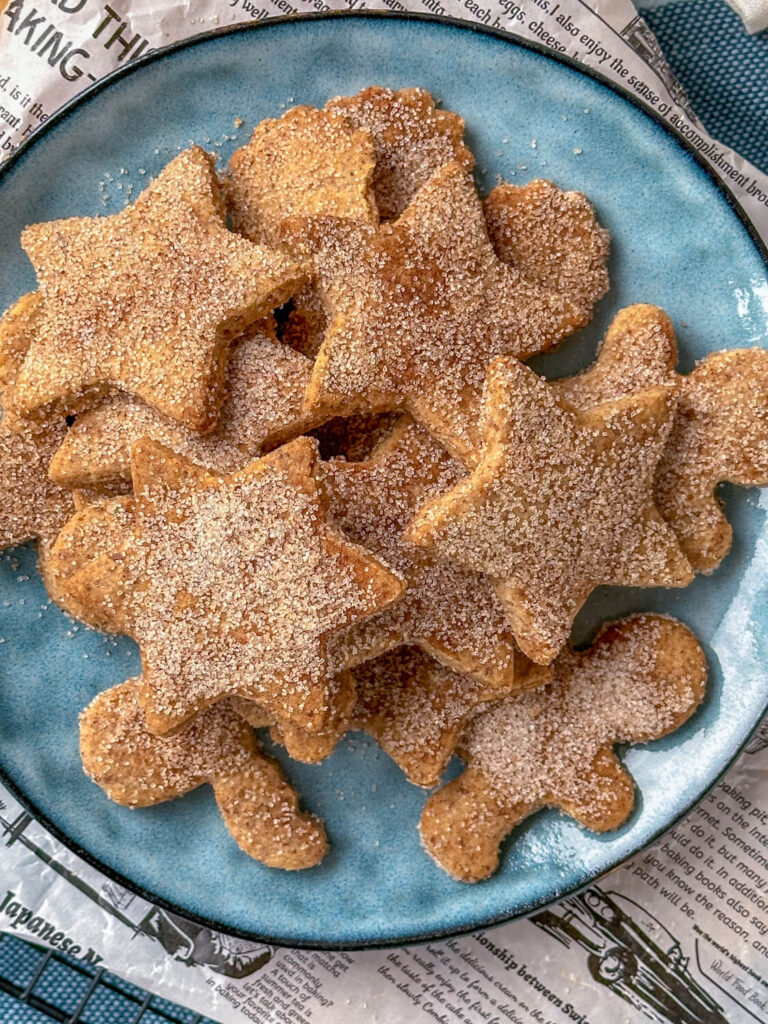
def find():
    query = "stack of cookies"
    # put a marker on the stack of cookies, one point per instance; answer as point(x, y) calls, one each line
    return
point(277, 426)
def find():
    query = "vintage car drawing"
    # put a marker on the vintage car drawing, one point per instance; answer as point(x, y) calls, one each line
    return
point(633, 954)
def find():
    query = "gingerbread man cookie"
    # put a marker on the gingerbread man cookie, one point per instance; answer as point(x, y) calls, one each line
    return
point(553, 747)
point(138, 769)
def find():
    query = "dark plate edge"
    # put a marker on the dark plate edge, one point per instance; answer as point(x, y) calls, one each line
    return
point(60, 116)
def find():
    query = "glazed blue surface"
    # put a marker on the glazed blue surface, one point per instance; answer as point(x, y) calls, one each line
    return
point(676, 243)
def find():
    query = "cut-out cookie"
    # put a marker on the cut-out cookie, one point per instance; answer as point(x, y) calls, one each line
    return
point(32, 507)
point(561, 503)
point(416, 708)
point(147, 300)
point(306, 323)
point(232, 585)
point(553, 747)
point(552, 237)
point(301, 745)
point(639, 351)
point(720, 433)
point(307, 163)
point(355, 438)
point(265, 386)
point(452, 612)
point(411, 140)
point(720, 429)
point(138, 769)
point(396, 294)
point(17, 328)
point(98, 528)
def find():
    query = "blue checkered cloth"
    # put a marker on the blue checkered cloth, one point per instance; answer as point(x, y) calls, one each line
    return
point(723, 70)
point(725, 73)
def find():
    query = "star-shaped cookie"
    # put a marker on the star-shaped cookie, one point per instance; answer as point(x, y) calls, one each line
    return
point(265, 386)
point(411, 139)
point(147, 300)
point(419, 308)
point(561, 503)
point(452, 612)
point(231, 585)
point(720, 429)
point(138, 769)
point(553, 747)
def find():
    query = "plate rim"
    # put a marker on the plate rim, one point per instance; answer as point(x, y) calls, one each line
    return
point(156, 55)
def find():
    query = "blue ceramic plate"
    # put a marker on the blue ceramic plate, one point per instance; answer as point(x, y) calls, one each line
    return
point(676, 242)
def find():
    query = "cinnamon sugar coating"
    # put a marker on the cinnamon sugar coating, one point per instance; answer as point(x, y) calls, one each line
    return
point(32, 507)
point(138, 769)
point(395, 295)
point(147, 300)
point(302, 745)
point(719, 432)
point(231, 585)
point(416, 708)
point(553, 747)
point(552, 237)
point(639, 351)
point(411, 139)
point(306, 163)
point(17, 329)
point(452, 612)
point(262, 406)
point(96, 530)
point(561, 502)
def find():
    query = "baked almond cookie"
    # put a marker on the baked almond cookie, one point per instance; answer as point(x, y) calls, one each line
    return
point(262, 406)
point(561, 503)
point(553, 238)
point(720, 429)
point(231, 585)
point(146, 301)
point(138, 769)
point(411, 139)
point(416, 708)
point(553, 747)
point(452, 612)
point(396, 295)
point(306, 163)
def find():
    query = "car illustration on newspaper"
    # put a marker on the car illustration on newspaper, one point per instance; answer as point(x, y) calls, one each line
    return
point(633, 954)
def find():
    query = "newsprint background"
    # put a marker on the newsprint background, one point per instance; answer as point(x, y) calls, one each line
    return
point(677, 935)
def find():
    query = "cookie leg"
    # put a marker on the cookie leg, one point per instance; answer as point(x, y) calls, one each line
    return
point(463, 825)
point(261, 811)
point(606, 795)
